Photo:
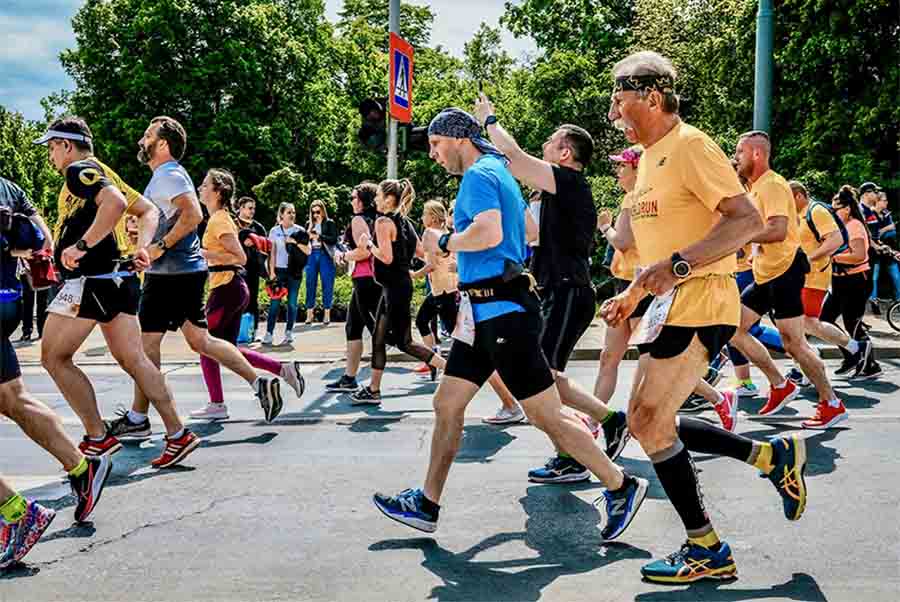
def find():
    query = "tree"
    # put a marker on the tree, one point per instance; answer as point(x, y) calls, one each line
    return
point(26, 164)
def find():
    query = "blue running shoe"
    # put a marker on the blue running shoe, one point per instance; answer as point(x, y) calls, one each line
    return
point(560, 469)
point(692, 563)
point(408, 507)
point(798, 378)
point(18, 538)
point(615, 431)
point(789, 461)
point(622, 505)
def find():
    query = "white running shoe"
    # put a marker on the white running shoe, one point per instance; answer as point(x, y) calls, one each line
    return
point(267, 340)
point(212, 411)
point(287, 341)
point(504, 416)
point(290, 373)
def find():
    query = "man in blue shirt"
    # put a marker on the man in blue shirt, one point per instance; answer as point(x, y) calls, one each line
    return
point(503, 327)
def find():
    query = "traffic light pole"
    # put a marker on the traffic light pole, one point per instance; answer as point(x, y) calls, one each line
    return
point(394, 22)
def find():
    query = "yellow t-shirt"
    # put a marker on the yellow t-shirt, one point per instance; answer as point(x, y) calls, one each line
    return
point(624, 264)
point(772, 196)
point(819, 276)
point(680, 182)
point(68, 203)
point(220, 224)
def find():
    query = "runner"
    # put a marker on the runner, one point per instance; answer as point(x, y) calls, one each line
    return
point(98, 288)
point(779, 271)
point(174, 263)
point(689, 215)
point(500, 329)
point(22, 231)
point(561, 266)
point(395, 245)
point(229, 295)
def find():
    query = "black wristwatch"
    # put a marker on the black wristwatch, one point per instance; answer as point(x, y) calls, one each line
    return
point(680, 267)
point(82, 245)
point(161, 243)
point(491, 120)
point(443, 241)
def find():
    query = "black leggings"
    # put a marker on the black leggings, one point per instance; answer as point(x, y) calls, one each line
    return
point(393, 325)
point(445, 306)
point(847, 300)
point(10, 316)
point(363, 305)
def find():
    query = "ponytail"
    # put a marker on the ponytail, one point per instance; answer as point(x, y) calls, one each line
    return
point(403, 192)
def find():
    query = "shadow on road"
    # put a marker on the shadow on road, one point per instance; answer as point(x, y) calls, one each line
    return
point(481, 442)
point(800, 587)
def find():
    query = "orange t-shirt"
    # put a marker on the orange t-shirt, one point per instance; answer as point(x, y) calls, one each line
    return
point(856, 230)
point(219, 225)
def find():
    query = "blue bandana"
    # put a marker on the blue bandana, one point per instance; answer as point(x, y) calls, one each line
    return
point(456, 123)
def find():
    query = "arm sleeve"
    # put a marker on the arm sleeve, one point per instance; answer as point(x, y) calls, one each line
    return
point(708, 173)
point(176, 184)
point(775, 200)
point(86, 180)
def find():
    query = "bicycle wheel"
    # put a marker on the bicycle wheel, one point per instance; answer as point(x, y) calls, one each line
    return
point(893, 316)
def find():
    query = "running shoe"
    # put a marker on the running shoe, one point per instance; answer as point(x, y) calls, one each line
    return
point(88, 486)
point(875, 307)
point(291, 374)
point(177, 450)
point(365, 396)
point(848, 366)
point(827, 416)
point(287, 341)
point(746, 389)
point(268, 392)
point(798, 378)
point(778, 398)
point(560, 469)
point(622, 505)
point(422, 368)
point(211, 411)
point(123, 429)
point(862, 358)
point(433, 372)
point(616, 434)
point(408, 507)
point(789, 468)
point(872, 370)
point(692, 563)
point(713, 376)
point(267, 339)
point(345, 383)
point(18, 538)
point(727, 409)
point(695, 403)
point(107, 447)
point(505, 416)
point(592, 427)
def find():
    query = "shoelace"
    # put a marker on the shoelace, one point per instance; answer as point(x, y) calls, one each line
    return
point(679, 555)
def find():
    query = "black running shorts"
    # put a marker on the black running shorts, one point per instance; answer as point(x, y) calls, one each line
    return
point(674, 340)
point(782, 295)
point(103, 300)
point(170, 300)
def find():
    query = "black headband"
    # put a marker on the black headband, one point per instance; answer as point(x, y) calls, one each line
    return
point(638, 83)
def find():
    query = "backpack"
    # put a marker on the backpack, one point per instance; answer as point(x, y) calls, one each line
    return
point(845, 245)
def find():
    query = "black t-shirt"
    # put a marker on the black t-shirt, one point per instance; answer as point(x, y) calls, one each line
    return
point(256, 261)
point(567, 222)
point(84, 181)
point(13, 198)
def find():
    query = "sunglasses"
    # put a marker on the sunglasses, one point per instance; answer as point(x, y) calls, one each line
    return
point(317, 212)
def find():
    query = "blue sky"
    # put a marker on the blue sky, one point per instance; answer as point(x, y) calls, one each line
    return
point(36, 31)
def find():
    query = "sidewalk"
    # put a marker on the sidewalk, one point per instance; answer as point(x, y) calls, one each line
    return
point(325, 344)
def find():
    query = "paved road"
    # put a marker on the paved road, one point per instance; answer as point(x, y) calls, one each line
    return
point(282, 511)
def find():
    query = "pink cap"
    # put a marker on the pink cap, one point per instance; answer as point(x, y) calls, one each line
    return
point(627, 156)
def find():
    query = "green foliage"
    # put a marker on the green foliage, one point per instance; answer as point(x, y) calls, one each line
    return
point(289, 186)
point(26, 164)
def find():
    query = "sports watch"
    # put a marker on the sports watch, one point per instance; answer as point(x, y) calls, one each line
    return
point(443, 242)
point(680, 267)
point(161, 243)
point(491, 120)
point(82, 245)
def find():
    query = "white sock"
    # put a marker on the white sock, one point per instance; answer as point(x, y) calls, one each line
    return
point(853, 346)
point(136, 417)
point(177, 435)
point(835, 403)
point(719, 397)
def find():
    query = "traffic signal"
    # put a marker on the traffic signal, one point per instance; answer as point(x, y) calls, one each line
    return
point(373, 131)
point(413, 138)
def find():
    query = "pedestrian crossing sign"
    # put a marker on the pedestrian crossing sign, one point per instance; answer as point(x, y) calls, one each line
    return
point(401, 79)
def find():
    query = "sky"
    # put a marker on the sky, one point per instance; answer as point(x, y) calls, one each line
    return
point(36, 31)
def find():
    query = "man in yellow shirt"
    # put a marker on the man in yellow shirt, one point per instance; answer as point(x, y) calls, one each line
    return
point(779, 272)
point(689, 216)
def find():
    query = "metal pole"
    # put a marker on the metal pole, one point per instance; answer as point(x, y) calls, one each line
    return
point(394, 23)
point(765, 41)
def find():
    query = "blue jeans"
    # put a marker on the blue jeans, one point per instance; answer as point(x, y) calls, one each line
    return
point(293, 286)
point(894, 272)
point(319, 263)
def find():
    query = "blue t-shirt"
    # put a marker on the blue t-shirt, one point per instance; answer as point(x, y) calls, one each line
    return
point(13, 198)
point(169, 181)
point(487, 185)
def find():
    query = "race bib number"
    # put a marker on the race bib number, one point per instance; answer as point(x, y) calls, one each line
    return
point(653, 321)
point(68, 300)
point(756, 250)
point(464, 332)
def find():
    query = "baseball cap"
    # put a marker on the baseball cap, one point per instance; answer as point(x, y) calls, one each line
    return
point(67, 129)
point(629, 155)
point(869, 187)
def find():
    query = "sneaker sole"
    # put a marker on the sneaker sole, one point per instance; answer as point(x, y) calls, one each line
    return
point(722, 574)
point(109, 452)
point(276, 403)
point(135, 437)
point(575, 478)
point(409, 522)
point(783, 403)
point(800, 457)
point(211, 418)
point(638, 500)
point(96, 492)
point(696, 410)
point(491, 420)
point(182, 455)
point(619, 448)
point(342, 389)
point(828, 425)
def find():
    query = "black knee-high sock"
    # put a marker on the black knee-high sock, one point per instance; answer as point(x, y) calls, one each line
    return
point(705, 438)
point(676, 473)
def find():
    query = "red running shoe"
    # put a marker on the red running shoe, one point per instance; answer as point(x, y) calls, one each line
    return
point(827, 416)
point(177, 450)
point(727, 410)
point(779, 397)
point(107, 447)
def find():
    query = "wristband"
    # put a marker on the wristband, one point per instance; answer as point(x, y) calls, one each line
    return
point(443, 242)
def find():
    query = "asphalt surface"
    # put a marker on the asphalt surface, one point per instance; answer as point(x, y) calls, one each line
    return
point(283, 511)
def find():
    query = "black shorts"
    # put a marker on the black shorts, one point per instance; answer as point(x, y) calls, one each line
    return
point(567, 312)
point(170, 300)
point(103, 299)
point(641, 309)
point(674, 340)
point(10, 317)
point(445, 306)
point(509, 344)
point(363, 305)
point(782, 295)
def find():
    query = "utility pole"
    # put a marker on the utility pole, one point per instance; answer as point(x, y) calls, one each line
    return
point(762, 92)
point(394, 23)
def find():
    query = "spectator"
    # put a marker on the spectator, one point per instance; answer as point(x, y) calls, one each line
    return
point(29, 296)
point(257, 263)
point(887, 237)
point(323, 237)
point(285, 268)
